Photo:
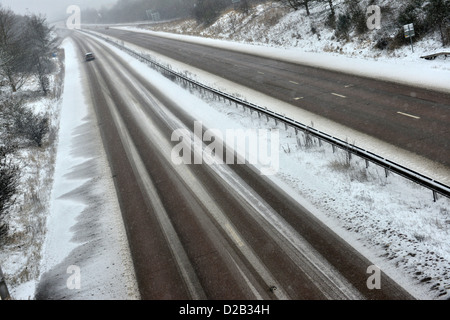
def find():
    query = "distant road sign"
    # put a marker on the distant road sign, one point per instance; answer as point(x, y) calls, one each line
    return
point(153, 15)
point(409, 33)
point(409, 30)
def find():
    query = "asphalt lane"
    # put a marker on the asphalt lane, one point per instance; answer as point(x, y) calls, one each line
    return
point(192, 233)
point(410, 118)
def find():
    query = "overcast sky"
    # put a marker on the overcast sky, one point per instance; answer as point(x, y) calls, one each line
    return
point(53, 9)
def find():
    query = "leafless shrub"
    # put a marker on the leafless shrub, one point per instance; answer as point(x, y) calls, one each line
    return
point(31, 126)
point(8, 185)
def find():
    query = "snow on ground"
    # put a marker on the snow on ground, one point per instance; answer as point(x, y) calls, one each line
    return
point(393, 222)
point(85, 232)
point(20, 253)
point(412, 70)
point(391, 70)
point(299, 38)
point(275, 33)
point(70, 232)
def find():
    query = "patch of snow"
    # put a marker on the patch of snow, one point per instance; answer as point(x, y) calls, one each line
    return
point(84, 228)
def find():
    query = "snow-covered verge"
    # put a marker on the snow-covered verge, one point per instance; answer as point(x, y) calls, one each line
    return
point(66, 235)
point(85, 233)
point(21, 250)
point(393, 222)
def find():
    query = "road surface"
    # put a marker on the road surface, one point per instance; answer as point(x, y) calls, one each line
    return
point(210, 231)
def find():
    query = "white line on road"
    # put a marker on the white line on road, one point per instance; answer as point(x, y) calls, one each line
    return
point(338, 95)
point(408, 115)
point(148, 126)
point(294, 82)
point(234, 235)
point(187, 270)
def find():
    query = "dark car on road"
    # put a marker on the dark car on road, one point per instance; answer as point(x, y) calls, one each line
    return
point(89, 56)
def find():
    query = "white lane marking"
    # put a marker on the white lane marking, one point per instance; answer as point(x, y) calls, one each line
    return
point(408, 115)
point(234, 235)
point(246, 279)
point(338, 95)
point(298, 98)
point(148, 126)
point(327, 279)
point(260, 72)
point(186, 269)
point(294, 82)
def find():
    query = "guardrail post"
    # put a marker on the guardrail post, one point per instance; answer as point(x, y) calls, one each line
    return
point(434, 196)
point(4, 293)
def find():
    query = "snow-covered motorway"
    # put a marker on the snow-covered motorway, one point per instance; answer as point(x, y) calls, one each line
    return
point(408, 117)
point(210, 231)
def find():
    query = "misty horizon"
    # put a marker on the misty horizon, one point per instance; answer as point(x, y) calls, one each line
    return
point(53, 10)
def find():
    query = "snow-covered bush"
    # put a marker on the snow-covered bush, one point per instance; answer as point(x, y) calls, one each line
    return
point(8, 184)
point(31, 126)
point(20, 124)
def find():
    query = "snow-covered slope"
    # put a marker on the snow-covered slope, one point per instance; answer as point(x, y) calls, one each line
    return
point(270, 25)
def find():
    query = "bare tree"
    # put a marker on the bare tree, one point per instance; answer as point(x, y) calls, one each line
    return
point(297, 4)
point(40, 45)
point(330, 3)
point(13, 55)
point(207, 11)
point(8, 185)
point(244, 7)
point(438, 15)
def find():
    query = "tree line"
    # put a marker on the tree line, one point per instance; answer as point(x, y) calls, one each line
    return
point(344, 16)
point(427, 16)
point(26, 47)
point(140, 10)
